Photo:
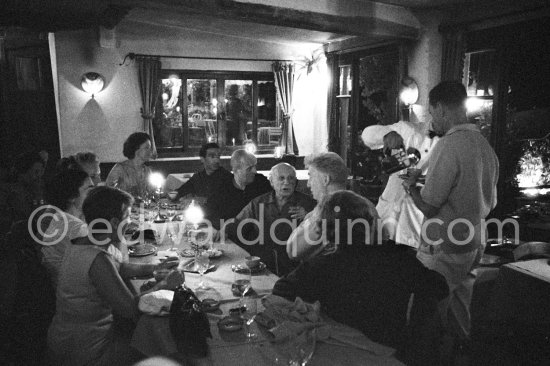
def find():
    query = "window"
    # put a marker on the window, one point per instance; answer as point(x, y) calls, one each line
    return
point(232, 109)
point(479, 80)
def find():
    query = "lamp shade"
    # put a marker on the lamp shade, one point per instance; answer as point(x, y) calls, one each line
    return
point(409, 91)
point(92, 83)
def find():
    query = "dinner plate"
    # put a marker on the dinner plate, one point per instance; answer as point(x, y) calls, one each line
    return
point(190, 267)
point(212, 253)
point(142, 250)
point(258, 269)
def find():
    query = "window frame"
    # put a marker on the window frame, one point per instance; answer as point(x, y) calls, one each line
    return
point(220, 77)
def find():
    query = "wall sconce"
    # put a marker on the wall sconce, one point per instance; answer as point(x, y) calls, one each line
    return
point(92, 83)
point(408, 95)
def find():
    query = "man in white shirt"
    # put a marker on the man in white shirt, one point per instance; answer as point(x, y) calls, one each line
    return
point(459, 193)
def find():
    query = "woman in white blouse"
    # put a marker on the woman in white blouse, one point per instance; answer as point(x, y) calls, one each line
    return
point(132, 175)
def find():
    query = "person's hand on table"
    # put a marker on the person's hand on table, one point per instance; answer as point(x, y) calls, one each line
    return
point(297, 212)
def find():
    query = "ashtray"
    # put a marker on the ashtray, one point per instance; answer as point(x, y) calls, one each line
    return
point(230, 324)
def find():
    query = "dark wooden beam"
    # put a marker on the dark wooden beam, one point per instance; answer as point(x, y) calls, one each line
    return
point(285, 17)
point(54, 15)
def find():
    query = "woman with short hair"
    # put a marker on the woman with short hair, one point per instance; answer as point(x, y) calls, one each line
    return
point(66, 192)
point(86, 161)
point(132, 175)
point(91, 288)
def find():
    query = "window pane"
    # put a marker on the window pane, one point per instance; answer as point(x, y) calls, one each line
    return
point(201, 111)
point(168, 120)
point(269, 130)
point(238, 111)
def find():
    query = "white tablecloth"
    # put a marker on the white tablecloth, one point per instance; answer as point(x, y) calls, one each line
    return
point(152, 335)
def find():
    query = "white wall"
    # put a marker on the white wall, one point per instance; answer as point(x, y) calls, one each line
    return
point(424, 62)
point(102, 124)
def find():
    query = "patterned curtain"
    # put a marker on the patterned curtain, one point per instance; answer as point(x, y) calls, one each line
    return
point(332, 103)
point(284, 83)
point(454, 48)
point(148, 72)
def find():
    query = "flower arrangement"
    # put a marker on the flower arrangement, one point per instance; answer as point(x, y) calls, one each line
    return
point(533, 168)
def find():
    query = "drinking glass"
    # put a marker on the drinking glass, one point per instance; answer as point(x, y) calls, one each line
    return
point(301, 348)
point(297, 350)
point(243, 281)
point(248, 314)
point(202, 262)
point(173, 234)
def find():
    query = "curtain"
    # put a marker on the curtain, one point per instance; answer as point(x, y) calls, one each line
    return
point(332, 103)
point(284, 83)
point(452, 62)
point(148, 72)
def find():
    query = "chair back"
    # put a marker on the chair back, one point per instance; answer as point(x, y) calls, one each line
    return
point(32, 299)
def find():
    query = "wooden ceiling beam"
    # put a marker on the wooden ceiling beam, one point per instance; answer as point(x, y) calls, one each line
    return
point(286, 17)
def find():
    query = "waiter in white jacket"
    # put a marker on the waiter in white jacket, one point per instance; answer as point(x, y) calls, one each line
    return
point(401, 220)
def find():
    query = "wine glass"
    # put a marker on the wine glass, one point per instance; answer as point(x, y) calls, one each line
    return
point(248, 314)
point(242, 282)
point(301, 347)
point(202, 262)
point(173, 234)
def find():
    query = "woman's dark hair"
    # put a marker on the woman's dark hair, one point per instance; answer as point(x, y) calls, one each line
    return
point(64, 187)
point(343, 211)
point(133, 142)
point(392, 140)
point(75, 162)
point(105, 203)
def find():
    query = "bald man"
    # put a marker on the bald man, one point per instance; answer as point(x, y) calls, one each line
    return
point(247, 184)
point(276, 213)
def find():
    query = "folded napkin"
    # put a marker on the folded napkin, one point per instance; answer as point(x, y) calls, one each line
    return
point(156, 303)
point(285, 319)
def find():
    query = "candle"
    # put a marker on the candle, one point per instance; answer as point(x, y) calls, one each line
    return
point(156, 180)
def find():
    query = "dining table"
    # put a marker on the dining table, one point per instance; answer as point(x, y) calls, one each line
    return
point(152, 335)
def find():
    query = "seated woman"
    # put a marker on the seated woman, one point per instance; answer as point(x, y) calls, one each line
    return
point(86, 161)
point(91, 288)
point(132, 175)
point(65, 191)
point(364, 286)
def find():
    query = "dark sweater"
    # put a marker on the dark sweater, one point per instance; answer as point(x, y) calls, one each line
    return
point(366, 287)
point(204, 185)
point(228, 201)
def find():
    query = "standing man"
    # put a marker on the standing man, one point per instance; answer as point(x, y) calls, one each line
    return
point(232, 196)
point(459, 193)
point(206, 182)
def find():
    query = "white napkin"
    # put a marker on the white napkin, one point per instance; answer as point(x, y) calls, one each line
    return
point(156, 303)
point(286, 318)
